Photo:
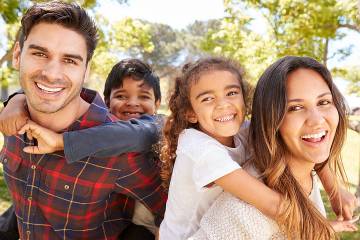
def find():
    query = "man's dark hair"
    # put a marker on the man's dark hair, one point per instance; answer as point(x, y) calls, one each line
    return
point(68, 15)
point(137, 70)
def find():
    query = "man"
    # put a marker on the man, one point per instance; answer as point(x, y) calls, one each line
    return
point(92, 198)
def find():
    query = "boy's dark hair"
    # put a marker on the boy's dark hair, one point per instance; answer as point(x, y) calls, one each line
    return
point(137, 70)
point(69, 15)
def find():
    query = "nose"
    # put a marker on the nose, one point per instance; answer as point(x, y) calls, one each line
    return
point(52, 71)
point(132, 101)
point(315, 117)
point(223, 103)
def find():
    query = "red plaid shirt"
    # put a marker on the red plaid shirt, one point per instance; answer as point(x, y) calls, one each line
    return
point(89, 199)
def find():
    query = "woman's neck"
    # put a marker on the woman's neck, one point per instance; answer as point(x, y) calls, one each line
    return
point(302, 173)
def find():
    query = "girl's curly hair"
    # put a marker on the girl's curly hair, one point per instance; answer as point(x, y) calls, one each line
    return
point(179, 105)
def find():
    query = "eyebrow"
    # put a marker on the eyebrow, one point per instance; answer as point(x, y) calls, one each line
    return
point(300, 100)
point(74, 56)
point(210, 91)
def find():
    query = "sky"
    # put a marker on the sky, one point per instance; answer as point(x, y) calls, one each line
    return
point(180, 13)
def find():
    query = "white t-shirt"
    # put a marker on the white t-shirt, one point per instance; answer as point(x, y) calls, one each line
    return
point(200, 161)
point(230, 218)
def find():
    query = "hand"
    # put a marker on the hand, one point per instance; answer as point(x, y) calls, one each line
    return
point(348, 204)
point(14, 116)
point(343, 226)
point(48, 141)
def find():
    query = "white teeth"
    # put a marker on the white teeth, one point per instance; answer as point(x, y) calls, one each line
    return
point(226, 118)
point(53, 90)
point(316, 135)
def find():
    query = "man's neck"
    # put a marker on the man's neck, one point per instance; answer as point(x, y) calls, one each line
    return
point(63, 118)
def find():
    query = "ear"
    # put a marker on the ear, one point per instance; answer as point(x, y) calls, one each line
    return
point(191, 117)
point(87, 72)
point(16, 56)
point(157, 105)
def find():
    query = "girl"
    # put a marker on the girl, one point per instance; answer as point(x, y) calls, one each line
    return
point(203, 148)
point(298, 124)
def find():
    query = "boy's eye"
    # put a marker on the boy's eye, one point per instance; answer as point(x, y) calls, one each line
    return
point(144, 97)
point(121, 97)
point(295, 108)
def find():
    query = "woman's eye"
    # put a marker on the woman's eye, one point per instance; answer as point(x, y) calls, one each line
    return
point(325, 102)
point(294, 108)
point(144, 97)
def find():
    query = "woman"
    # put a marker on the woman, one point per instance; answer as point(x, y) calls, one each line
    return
point(298, 126)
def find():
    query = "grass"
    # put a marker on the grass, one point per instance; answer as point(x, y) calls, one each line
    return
point(350, 155)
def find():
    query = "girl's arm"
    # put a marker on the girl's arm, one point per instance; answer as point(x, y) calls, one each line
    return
point(251, 190)
point(342, 202)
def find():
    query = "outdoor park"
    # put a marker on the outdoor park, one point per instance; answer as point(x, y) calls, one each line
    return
point(254, 33)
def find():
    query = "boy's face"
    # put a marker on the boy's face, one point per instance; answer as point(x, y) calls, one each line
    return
point(132, 99)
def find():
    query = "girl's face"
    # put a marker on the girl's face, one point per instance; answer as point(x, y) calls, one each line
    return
point(311, 118)
point(218, 105)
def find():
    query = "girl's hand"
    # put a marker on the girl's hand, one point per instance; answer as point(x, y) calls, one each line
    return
point(349, 203)
point(343, 226)
point(48, 141)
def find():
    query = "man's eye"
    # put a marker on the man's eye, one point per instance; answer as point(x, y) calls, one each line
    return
point(39, 54)
point(69, 60)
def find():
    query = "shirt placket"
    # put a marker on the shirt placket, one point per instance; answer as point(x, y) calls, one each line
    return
point(31, 192)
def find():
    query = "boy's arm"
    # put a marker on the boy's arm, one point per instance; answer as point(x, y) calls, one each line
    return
point(251, 190)
point(342, 201)
point(14, 114)
point(112, 139)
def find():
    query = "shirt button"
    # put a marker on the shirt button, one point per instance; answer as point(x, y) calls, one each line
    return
point(33, 167)
point(66, 187)
point(28, 232)
point(5, 160)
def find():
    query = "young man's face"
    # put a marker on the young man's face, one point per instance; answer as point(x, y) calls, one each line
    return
point(132, 99)
point(52, 66)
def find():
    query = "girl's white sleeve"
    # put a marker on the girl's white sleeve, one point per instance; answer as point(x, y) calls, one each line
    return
point(211, 162)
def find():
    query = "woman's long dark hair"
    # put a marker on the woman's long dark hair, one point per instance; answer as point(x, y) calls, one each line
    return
point(299, 219)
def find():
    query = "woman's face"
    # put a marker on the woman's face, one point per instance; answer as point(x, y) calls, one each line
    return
point(311, 118)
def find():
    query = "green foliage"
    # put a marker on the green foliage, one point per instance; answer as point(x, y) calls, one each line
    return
point(293, 27)
point(352, 74)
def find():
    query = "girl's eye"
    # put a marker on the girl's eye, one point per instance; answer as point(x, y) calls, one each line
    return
point(207, 99)
point(294, 108)
point(232, 93)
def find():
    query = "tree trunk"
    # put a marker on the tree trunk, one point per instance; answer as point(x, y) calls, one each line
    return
point(326, 50)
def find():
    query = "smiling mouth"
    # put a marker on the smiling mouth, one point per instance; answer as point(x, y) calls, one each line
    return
point(225, 118)
point(132, 113)
point(314, 138)
point(47, 89)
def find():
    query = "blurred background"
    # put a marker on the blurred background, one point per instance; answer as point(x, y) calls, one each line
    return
point(168, 33)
